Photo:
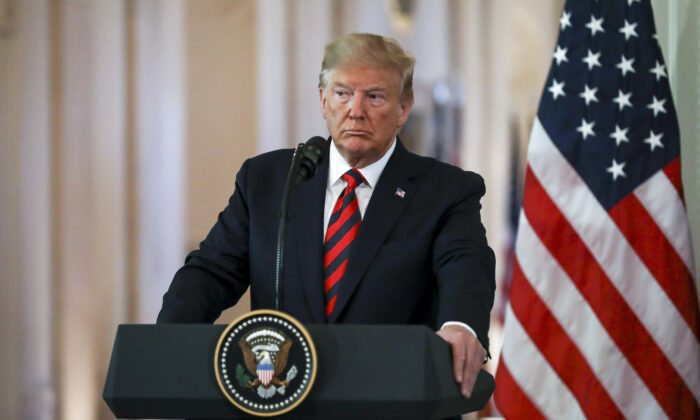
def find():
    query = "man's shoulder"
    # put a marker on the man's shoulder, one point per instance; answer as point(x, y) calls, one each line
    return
point(269, 163)
point(434, 169)
point(271, 157)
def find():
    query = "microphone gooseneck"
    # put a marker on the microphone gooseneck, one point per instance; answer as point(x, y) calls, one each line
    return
point(306, 158)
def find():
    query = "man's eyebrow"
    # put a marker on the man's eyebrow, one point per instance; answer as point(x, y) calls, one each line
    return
point(377, 88)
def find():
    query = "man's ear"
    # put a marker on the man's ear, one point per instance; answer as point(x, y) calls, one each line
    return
point(322, 97)
point(404, 112)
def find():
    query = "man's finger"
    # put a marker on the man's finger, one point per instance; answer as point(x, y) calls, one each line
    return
point(472, 365)
point(471, 370)
point(459, 359)
point(458, 352)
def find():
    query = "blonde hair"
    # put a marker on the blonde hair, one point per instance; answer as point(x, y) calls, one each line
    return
point(369, 50)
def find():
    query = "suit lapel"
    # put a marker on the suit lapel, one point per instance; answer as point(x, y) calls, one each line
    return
point(306, 227)
point(384, 209)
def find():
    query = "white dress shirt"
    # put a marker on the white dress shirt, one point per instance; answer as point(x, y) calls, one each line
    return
point(337, 166)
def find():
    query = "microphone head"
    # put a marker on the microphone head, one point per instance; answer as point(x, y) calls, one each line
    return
point(311, 156)
point(318, 142)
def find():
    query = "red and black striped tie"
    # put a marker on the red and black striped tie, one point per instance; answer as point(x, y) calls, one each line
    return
point(342, 229)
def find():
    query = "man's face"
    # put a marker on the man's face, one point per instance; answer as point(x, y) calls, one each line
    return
point(363, 111)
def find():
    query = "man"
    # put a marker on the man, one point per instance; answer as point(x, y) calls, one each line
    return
point(377, 235)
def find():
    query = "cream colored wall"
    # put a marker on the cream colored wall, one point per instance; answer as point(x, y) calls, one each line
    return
point(221, 106)
point(678, 29)
point(10, 322)
point(221, 110)
point(26, 295)
point(157, 109)
point(113, 117)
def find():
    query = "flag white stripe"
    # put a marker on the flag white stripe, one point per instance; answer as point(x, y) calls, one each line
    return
point(546, 391)
point(616, 257)
point(660, 198)
point(583, 327)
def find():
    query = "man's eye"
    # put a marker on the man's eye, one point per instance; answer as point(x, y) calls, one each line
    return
point(340, 93)
point(375, 96)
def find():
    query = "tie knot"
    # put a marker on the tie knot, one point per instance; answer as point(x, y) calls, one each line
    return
point(353, 177)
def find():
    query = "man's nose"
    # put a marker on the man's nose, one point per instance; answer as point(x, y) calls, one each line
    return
point(356, 106)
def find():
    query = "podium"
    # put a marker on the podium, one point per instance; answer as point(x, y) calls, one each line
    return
point(364, 372)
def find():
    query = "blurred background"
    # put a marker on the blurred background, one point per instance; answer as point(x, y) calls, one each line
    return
point(123, 123)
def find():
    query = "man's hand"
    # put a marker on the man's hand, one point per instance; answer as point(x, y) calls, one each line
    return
point(468, 355)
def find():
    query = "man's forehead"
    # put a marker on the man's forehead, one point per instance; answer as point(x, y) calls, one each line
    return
point(367, 76)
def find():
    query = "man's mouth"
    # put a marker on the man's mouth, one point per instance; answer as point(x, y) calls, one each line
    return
point(356, 132)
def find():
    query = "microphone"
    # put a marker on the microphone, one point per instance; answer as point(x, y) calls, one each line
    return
point(306, 158)
point(311, 153)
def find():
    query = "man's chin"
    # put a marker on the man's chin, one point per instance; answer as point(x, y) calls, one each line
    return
point(360, 157)
point(356, 146)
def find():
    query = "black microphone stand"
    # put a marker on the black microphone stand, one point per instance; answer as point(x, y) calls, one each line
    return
point(306, 157)
point(282, 231)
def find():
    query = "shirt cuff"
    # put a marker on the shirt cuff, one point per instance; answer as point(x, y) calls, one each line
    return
point(461, 324)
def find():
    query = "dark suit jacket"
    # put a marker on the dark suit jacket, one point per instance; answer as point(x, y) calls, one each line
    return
point(417, 259)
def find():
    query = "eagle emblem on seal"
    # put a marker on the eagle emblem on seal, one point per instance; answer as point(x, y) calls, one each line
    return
point(265, 353)
point(265, 362)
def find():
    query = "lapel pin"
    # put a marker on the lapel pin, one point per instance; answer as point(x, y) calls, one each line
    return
point(401, 193)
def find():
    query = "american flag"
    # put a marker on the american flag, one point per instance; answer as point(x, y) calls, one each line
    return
point(603, 313)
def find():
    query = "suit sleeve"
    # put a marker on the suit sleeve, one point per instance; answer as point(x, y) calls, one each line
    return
point(463, 262)
point(216, 275)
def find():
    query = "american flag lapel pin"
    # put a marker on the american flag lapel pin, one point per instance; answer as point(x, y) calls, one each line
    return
point(401, 193)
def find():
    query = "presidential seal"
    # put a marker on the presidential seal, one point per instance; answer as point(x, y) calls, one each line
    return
point(265, 363)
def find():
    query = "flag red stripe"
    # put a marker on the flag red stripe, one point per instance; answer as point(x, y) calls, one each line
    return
point(660, 199)
point(659, 256)
point(556, 346)
point(624, 327)
point(337, 274)
point(345, 215)
point(340, 246)
point(673, 172)
point(510, 399)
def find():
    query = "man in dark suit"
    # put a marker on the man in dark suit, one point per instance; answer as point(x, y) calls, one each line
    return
point(378, 234)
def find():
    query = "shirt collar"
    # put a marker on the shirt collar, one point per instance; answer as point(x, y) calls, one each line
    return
point(338, 166)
